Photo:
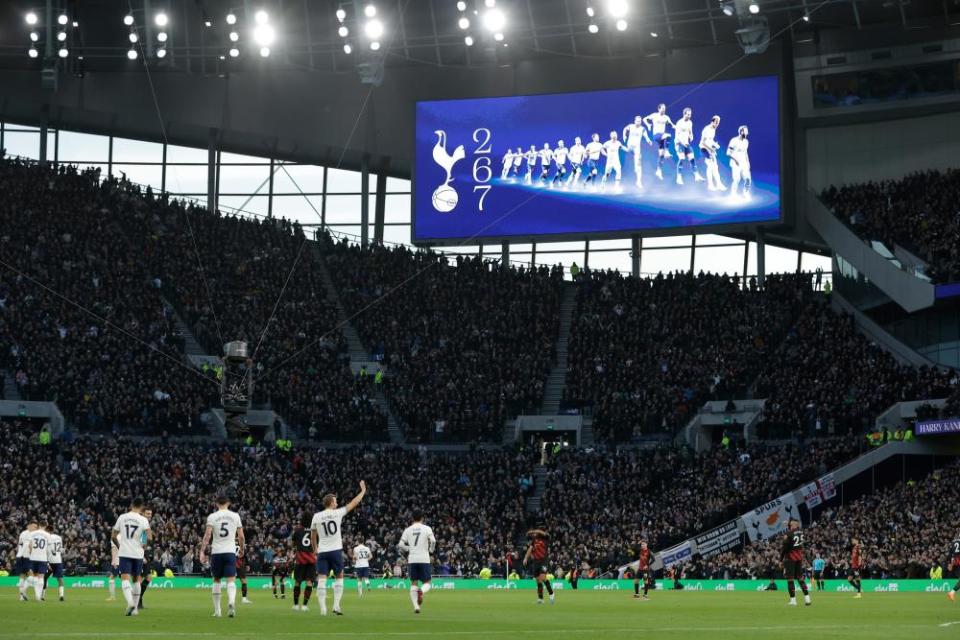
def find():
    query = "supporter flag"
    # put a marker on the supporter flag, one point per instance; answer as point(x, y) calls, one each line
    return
point(819, 491)
point(770, 519)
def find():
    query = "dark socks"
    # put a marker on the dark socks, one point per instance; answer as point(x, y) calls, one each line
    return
point(143, 589)
point(539, 591)
point(646, 587)
point(243, 589)
point(549, 586)
point(803, 587)
point(296, 594)
point(791, 589)
point(636, 587)
point(306, 594)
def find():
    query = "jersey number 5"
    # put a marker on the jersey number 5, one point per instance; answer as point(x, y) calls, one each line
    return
point(223, 530)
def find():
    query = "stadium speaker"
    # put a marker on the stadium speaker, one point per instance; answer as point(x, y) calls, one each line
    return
point(48, 78)
point(754, 35)
point(371, 72)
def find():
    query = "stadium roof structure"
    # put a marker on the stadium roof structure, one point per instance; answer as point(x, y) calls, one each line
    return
point(306, 34)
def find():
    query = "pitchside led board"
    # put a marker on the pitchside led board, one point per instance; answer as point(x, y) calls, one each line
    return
point(586, 164)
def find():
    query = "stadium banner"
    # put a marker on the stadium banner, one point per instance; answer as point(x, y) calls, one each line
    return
point(719, 540)
point(769, 519)
point(819, 491)
point(675, 555)
point(937, 427)
point(606, 162)
point(461, 584)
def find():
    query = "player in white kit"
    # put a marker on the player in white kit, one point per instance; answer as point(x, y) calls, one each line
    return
point(577, 153)
point(361, 555)
point(327, 539)
point(22, 566)
point(418, 543)
point(37, 550)
point(633, 135)
point(593, 151)
point(55, 563)
point(611, 149)
point(517, 161)
point(737, 151)
point(546, 159)
point(114, 571)
point(708, 150)
point(658, 121)
point(127, 534)
point(684, 145)
point(560, 161)
point(224, 534)
point(531, 157)
point(507, 163)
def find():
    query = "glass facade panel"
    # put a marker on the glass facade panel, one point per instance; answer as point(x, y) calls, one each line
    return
point(137, 151)
point(342, 181)
point(82, 147)
point(664, 261)
point(22, 143)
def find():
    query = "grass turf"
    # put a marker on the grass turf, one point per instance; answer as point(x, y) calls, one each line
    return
point(491, 614)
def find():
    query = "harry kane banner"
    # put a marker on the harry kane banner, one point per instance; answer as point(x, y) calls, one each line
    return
point(597, 162)
point(770, 519)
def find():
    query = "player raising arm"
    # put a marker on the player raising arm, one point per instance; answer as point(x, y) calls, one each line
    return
point(327, 539)
point(226, 532)
point(538, 552)
point(418, 543)
point(792, 555)
point(127, 535)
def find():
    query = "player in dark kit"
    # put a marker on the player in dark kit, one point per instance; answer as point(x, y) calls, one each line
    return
point(955, 551)
point(145, 576)
point(242, 575)
point(281, 569)
point(644, 560)
point(305, 563)
point(539, 553)
point(856, 564)
point(792, 555)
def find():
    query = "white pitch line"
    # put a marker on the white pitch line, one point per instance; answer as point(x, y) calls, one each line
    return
point(949, 624)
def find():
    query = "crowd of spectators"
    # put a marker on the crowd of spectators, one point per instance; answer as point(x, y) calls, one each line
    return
point(919, 212)
point(474, 501)
point(465, 345)
point(82, 321)
point(905, 531)
point(600, 505)
point(826, 377)
point(102, 263)
point(647, 353)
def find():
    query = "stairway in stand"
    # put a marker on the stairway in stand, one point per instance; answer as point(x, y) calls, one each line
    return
point(358, 353)
point(556, 380)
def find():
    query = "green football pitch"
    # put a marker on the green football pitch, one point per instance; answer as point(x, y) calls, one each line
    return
point(493, 614)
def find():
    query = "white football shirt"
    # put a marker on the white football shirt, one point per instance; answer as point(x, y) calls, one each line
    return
point(708, 137)
point(327, 525)
point(612, 147)
point(361, 556)
point(737, 149)
point(577, 152)
point(634, 135)
point(23, 544)
point(55, 549)
point(546, 155)
point(39, 541)
point(224, 525)
point(130, 527)
point(418, 540)
point(658, 122)
point(684, 131)
point(594, 149)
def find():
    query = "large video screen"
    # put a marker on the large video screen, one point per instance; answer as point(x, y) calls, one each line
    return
point(598, 162)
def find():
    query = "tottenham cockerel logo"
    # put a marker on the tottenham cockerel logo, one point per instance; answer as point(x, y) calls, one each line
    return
point(445, 197)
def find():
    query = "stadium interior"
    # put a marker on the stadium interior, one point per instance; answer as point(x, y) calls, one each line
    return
point(177, 175)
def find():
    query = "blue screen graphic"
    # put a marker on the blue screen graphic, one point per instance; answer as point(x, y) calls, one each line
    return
point(470, 181)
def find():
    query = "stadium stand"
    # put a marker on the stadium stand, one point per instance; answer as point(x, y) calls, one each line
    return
point(465, 344)
point(917, 212)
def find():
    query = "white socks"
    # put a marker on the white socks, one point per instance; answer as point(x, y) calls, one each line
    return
point(337, 593)
point(215, 590)
point(112, 586)
point(414, 593)
point(127, 592)
point(21, 584)
point(426, 587)
point(135, 594)
point(37, 587)
point(231, 593)
point(60, 590)
point(360, 587)
point(322, 594)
